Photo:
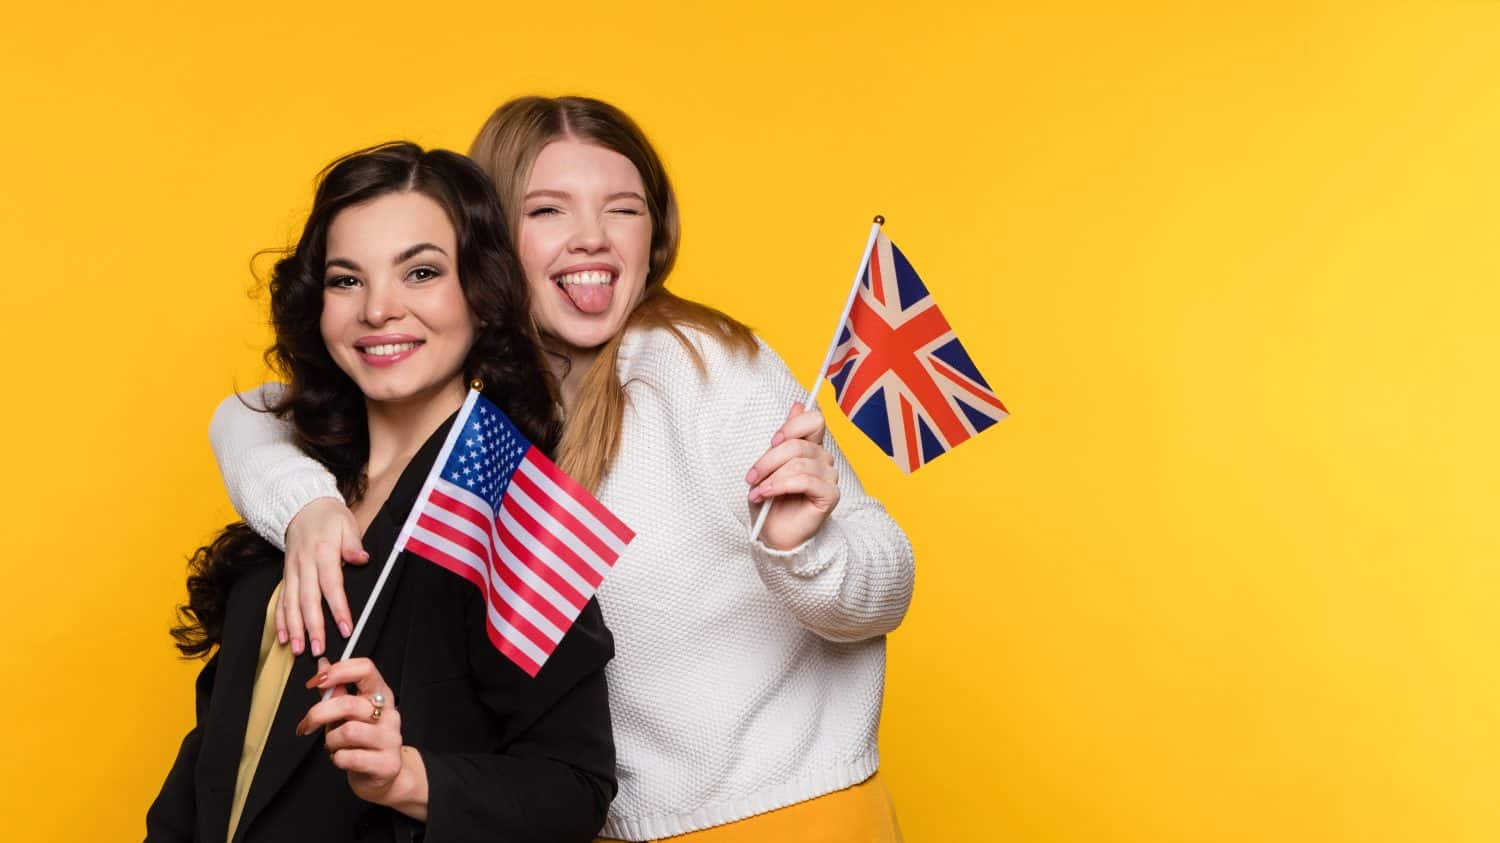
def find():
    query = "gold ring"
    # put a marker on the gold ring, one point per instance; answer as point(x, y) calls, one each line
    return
point(377, 703)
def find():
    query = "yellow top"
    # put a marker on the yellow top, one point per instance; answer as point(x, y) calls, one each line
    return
point(271, 673)
point(860, 813)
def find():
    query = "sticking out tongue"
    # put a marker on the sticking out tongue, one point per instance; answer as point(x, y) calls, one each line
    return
point(590, 298)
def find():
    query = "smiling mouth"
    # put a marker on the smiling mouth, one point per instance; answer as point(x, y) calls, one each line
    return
point(591, 277)
point(590, 290)
point(388, 349)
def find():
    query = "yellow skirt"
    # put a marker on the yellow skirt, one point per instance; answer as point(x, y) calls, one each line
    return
point(859, 814)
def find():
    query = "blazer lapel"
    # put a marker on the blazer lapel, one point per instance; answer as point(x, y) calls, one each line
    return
point(285, 750)
point(224, 730)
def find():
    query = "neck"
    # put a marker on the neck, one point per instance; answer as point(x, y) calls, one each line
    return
point(568, 365)
point(399, 428)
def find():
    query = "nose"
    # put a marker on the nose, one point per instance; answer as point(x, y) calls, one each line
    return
point(383, 302)
point(588, 235)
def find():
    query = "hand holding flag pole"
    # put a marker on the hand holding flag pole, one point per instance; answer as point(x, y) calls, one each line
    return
point(812, 394)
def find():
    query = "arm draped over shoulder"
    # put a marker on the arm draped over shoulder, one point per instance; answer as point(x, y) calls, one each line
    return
point(269, 480)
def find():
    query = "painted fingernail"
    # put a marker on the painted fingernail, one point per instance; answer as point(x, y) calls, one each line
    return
point(778, 439)
point(300, 733)
point(317, 680)
point(345, 628)
point(317, 647)
point(280, 636)
point(297, 646)
point(752, 477)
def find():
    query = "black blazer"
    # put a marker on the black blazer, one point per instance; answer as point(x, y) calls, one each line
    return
point(508, 757)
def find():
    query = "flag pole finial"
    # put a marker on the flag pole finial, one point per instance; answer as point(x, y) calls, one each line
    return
point(879, 220)
point(477, 385)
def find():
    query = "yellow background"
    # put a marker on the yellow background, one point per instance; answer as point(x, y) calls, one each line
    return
point(1228, 574)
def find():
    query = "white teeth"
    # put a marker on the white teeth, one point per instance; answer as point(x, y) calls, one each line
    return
point(389, 348)
point(590, 277)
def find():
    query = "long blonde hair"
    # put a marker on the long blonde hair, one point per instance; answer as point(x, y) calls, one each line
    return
point(506, 148)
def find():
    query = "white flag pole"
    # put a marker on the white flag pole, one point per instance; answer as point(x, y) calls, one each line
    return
point(411, 522)
point(812, 394)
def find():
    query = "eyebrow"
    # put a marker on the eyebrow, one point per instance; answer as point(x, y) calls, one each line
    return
point(563, 194)
point(418, 249)
point(406, 255)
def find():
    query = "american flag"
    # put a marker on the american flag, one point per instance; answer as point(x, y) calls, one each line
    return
point(899, 372)
point(498, 513)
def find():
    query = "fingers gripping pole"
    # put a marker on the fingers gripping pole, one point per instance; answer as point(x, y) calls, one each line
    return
point(812, 394)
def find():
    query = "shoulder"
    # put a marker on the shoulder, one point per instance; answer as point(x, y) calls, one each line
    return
point(702, 393)
point(692, 359)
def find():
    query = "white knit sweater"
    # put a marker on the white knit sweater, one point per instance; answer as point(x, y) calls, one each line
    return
point(745, 678)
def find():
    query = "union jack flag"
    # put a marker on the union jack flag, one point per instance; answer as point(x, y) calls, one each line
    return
point(899, 372)
point(498, 513)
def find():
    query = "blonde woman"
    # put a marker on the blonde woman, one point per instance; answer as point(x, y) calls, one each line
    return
point(747, 686)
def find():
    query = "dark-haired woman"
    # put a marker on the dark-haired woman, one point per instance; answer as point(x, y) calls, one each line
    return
point(402, 287)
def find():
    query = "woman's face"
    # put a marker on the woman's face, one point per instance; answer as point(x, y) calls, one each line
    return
point(394, 314)
point(584, 241)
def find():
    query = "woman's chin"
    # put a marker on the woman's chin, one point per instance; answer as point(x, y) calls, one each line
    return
point(395, 392)
point(590, 335)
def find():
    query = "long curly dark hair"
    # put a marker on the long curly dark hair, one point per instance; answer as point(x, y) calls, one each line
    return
point(322, 404)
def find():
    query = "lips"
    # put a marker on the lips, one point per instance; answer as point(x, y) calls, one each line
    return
point(388, 349)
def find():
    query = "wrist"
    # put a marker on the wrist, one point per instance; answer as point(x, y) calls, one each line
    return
point(408, 793)
point(297, 497)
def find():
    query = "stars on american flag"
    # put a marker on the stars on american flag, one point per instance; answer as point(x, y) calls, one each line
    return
point(487, 455)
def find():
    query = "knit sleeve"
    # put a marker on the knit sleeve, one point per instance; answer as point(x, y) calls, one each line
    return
point(853, 579)
point(268, 478)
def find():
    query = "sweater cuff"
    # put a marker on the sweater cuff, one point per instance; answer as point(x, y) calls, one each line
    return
point(806, 560)
point(288, 496)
